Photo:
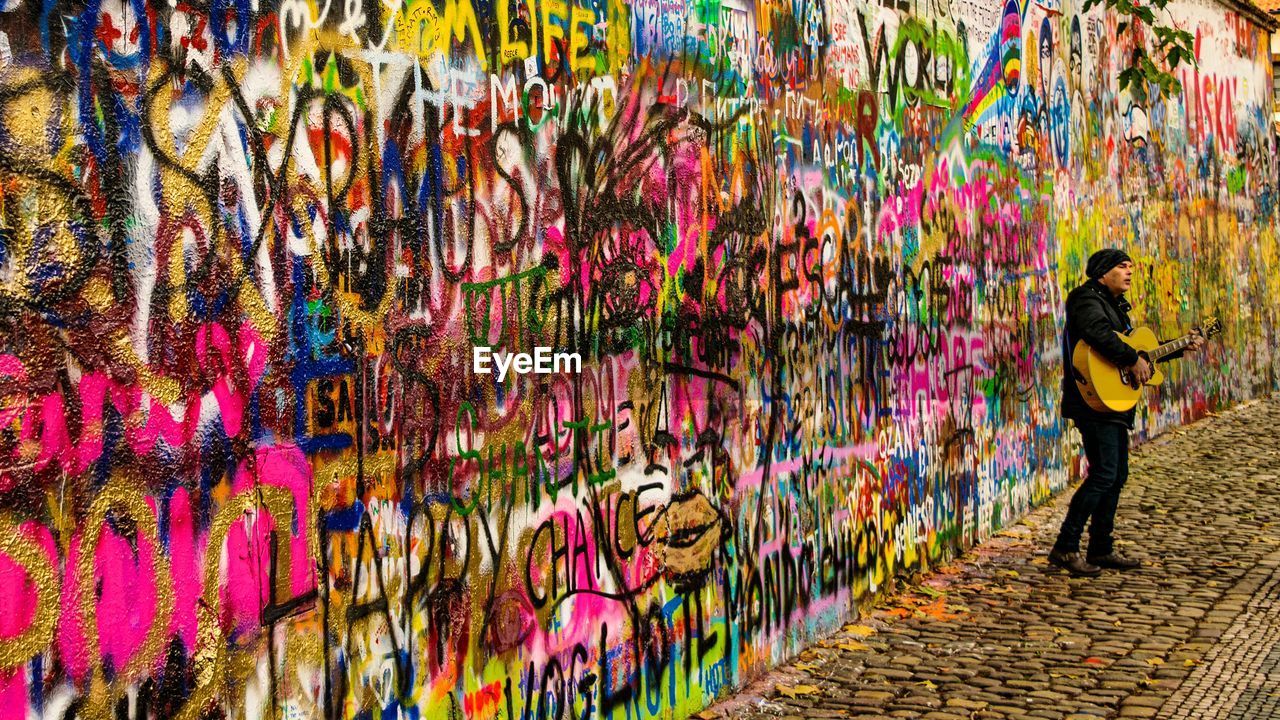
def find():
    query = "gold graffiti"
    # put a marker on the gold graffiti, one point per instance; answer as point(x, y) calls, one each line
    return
point(215, 667)
point(118, 497)
point(29, 556)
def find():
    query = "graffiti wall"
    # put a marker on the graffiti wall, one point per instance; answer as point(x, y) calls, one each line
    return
point(809, 257)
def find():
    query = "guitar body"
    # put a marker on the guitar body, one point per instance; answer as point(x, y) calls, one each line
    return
point(1105, 387)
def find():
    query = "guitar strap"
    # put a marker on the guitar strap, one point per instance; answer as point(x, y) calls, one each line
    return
point(1113, 309)
point(1123, 304)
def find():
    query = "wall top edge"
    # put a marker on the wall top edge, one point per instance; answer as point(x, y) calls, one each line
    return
point(1266, 20)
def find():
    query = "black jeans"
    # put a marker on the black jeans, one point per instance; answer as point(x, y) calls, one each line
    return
point(1106, 445)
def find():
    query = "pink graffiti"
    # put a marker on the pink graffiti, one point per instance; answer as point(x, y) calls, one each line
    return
point(44, 419)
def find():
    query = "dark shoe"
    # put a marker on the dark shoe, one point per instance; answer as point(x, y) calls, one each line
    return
point(1074, 563)
point(1115, 561)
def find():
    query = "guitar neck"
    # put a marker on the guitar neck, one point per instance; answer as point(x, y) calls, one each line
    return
point(1171, 347)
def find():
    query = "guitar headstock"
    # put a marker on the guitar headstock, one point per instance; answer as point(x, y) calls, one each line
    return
point(1212, 326)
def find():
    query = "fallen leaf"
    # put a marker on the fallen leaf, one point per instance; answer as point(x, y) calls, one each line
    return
point(899, 612)
point(930, 591)
point(796, 691)
point(854, 646)
point(707, 715)
point(806, 667)
point(1155, 661)
point(1094, 661)
point(860, 630)
point(1190, 663)
point(928, 685)
point(938, 611)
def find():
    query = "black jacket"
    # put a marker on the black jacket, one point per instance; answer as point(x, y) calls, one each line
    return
point(1094, 315)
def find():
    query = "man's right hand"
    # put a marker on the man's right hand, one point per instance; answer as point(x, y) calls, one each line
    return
point(1141, 371)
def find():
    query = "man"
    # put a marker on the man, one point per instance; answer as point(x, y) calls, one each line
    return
point(1096, 311)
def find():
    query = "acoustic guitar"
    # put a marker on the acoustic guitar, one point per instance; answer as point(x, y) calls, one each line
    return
point(1107, 388)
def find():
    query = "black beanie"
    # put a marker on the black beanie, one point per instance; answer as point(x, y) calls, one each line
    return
point(1102, 261)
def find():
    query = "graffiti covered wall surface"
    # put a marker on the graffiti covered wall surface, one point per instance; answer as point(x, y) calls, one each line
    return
point(812, 257)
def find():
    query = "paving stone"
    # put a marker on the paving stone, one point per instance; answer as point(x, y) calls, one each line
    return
point(1047, 695)
point(967, 704)
point(1028, 684)
point(891, 673)
point(875, 696)
point(862, 711)
point(1120, 684)
point(1145, 701)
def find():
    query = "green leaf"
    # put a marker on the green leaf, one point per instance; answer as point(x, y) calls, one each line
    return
point(1145, 13)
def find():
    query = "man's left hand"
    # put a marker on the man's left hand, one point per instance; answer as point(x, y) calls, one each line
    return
point(1197, 342)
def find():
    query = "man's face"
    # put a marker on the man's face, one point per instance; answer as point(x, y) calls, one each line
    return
point(1118, 278)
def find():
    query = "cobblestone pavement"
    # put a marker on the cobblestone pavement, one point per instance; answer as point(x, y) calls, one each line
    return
point(999, 633)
